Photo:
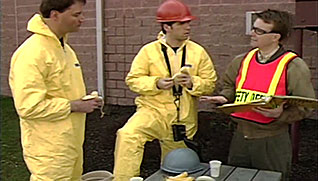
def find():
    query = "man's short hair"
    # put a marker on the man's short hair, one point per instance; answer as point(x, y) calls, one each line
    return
point(168, 23)
point(59, 5)
point(281, 21)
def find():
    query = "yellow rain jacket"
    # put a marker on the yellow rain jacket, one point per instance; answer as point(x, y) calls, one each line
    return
point(44, 78)
point(156, 111)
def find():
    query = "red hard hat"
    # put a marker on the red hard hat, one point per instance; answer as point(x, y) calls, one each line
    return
point(173, 10)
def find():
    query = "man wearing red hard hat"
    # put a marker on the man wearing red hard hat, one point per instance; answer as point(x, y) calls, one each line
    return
point(169, 75)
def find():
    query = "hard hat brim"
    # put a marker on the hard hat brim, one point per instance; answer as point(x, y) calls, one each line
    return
point(188, 18)
point(200, 167)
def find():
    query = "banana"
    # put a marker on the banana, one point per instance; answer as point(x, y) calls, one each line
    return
point(93, 95)
point(181, 177)
point(183, 70)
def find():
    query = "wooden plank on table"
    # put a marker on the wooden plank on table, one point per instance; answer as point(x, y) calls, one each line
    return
point(264, 175)
point(228, 173)
point(242, 174)
point(226, 170)
point(157, 176)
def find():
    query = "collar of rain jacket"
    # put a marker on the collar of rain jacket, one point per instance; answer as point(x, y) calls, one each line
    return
point(37, 25)
point(162, 39)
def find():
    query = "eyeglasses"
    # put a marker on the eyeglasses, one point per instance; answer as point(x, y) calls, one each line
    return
point(259, 31)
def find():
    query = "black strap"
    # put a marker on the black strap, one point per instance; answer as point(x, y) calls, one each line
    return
point(176, 93)
point(164, 50)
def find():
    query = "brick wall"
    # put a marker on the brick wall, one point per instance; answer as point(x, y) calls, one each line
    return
point(16, 13)
point(129, 24)
point(8, 40)
point(220, 28)
point(310, 55)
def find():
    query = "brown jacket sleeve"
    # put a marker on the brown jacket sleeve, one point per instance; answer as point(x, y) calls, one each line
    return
point(229, 78)
point(299, 84)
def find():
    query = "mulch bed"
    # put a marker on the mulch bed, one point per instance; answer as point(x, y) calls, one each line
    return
point(214, 135)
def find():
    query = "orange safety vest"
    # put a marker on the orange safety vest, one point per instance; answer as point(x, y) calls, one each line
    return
point(257, 80)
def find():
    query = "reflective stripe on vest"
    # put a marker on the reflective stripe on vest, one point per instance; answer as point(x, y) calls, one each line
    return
point(257, 80)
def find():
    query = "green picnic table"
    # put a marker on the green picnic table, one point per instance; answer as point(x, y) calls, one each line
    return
point(228, 173)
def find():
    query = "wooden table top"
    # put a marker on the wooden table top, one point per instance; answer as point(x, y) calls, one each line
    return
point(228, 173)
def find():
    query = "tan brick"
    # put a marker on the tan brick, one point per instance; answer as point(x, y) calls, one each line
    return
point(120, 67)
point(143, 31)
point(7, 5)
point(132, 3)
point(133, 40)
point(127, 67)
point(126, 101)
point(120, 49)
point(116, 75)
point(110, 84)
point(90, 38)
point(120, 31)
point(120, 84)
point(129, 31)
point(132, 22)
point(28, 2)
point(236, 1)
point(111, 100)
point(150, 3)
point(129, 13)
point(115, 22)
point(191, 2)
point(116, 92)
point(110, 49)
point(129, 58)
point(116, 58)
point(139, 12)
point(110, 4)
point(130, 94)
point(129, 49)
point(110, 67)
point(120, 13)
point(110, 13)
point(116, 40)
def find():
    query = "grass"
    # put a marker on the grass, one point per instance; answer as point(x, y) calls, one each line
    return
point(13, 167)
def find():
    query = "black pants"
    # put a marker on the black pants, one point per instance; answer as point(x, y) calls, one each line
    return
point(271, 153)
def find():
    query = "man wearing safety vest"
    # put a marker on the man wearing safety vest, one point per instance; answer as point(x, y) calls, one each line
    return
point(160, 95)
point(261, 139)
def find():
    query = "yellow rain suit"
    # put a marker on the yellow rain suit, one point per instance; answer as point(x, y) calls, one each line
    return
point(44, 78)
point(156, 111)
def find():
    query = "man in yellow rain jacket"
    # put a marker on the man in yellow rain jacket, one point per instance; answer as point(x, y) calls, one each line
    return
point(47, 87)
point(151, 77)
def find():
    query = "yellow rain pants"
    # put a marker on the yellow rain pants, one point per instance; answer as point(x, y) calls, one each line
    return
point(156, 111)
